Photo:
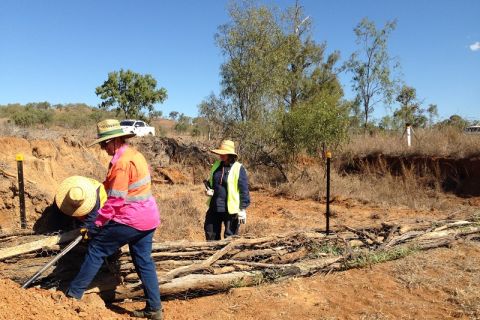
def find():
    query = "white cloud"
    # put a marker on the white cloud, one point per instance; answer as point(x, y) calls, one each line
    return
point(475, 46)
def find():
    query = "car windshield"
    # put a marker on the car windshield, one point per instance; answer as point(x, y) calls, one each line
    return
point(126, 123)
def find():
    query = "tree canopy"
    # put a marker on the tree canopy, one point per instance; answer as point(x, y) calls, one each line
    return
point(131, 93)
point(280, 94)
point(372, 67)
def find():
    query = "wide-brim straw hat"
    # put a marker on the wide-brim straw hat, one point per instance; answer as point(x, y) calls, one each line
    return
point(109, 129)
point(226, 147)
point(76, 196)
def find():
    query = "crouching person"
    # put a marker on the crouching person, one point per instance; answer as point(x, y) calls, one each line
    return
point(81, 198)
point(129, 216)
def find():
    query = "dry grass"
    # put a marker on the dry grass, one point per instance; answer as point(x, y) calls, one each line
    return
point(180, 214)
point(183, 209)
point(458, 279)
point(446, 142)
point(253, 230)
point(381, 189)
point(376, 184)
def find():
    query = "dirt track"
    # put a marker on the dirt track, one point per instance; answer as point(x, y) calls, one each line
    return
point(442, 283)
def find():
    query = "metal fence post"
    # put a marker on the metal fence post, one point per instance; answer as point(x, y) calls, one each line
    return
point(327, 213)
point(21, 190)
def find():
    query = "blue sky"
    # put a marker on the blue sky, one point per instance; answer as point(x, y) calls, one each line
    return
point(60, 51)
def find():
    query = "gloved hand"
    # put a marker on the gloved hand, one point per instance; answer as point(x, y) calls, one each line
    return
point(242, 216)
point(88, 234)
point(84, 233)
point(208, 190)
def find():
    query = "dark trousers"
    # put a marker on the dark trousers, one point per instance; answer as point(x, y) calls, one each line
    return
point(213, 225)
point(111, 237)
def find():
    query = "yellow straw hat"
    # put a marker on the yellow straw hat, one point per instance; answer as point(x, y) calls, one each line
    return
point(76, 196)
point(226, 147)
point(109, 129)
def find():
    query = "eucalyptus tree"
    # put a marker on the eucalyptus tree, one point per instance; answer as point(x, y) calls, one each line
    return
point(281, 94)
point(130, 92)
point(314, 115)
point(372, 67)
point(217, 115)
point(307, 73)
point(252, 46)
point(410, 110)
point(432, 111)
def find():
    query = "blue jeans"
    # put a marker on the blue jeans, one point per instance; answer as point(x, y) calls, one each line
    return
point(110, 238)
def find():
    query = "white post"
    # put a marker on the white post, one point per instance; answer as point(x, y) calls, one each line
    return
point(409, 137)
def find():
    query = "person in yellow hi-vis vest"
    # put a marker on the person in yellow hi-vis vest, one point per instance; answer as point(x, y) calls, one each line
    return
point(228, 193)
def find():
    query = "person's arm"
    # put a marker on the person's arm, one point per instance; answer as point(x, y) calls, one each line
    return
point(243, 188)
point(116, 196)
point(89, 220)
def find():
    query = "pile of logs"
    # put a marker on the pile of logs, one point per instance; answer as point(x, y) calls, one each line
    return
point(205, 267)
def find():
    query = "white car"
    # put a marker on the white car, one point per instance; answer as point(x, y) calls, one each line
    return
point(472, 130)
point(140, 128)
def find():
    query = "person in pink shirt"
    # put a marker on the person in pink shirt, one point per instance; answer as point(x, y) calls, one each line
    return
point(129, 216)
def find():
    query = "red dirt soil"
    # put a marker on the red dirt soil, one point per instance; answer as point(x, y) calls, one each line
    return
point(18, 303)
point(439, 284)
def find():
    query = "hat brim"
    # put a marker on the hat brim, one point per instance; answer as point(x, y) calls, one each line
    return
point(89, 186)
point(124, 134)
point(222, 152)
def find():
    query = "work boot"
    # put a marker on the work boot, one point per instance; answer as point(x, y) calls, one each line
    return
point(156, 315)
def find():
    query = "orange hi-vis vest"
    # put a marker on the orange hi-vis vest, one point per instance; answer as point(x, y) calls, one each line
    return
point(129, 177)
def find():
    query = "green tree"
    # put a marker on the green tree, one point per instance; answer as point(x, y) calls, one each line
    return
point(280, 96)
point(250, 44)
point(216, 113)
point(410, 111)
point(173, 115)
point(372, 67)
point(156, 114)
point(387, 123)
point(130, 92)
point(355, 114)
point(455, 121)
point(306, 74)
point(311, 126)
point(183, 123)
point(432, 111)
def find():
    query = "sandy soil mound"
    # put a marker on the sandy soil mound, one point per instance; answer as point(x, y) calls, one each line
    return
point(18, 303)
point(46, 163)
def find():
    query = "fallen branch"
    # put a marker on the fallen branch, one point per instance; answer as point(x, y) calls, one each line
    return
point(195, 267)
point(36, 245)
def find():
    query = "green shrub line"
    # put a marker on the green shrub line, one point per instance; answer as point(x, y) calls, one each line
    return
point(71, 116)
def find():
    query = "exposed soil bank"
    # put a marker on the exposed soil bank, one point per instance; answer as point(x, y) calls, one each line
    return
point(459, 176)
